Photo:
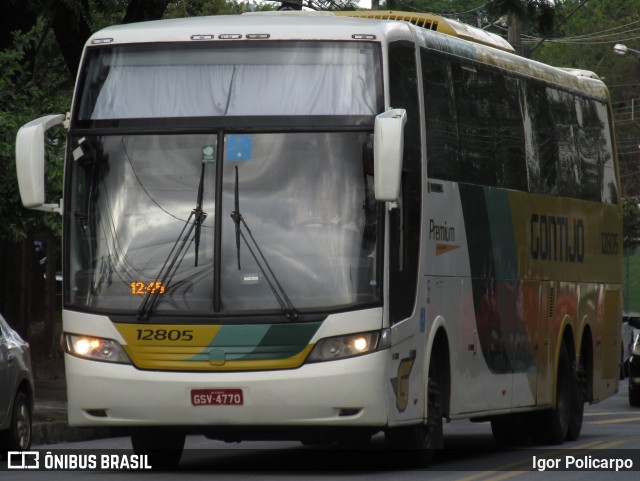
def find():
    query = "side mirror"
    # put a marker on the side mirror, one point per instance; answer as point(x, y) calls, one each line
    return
point(388, 149)
point(30, 157)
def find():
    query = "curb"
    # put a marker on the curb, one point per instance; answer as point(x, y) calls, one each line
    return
point(54, 432)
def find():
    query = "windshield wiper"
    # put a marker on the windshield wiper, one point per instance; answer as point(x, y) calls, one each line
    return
point(177, 253)
point(290, 312)
point(199, 214)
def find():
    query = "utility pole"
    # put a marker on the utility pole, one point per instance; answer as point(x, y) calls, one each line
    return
point(514, 33)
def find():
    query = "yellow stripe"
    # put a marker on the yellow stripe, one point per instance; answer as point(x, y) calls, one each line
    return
point(615, 421)
point(177, 362)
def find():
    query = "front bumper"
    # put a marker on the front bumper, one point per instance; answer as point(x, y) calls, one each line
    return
point(349, 392)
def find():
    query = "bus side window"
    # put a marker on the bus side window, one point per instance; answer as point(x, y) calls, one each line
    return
point(405, 220)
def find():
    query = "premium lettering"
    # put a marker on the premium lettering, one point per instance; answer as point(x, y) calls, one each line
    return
point(441, 232)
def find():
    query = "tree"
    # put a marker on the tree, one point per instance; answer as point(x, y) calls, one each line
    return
point(27, 85)
point(519, 12)
point(194, 8)
point(585, 41)
point(41, 43)
point(467, 11)
point(631, 221)
point(72, 21)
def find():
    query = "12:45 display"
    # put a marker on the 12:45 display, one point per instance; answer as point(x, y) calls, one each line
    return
point(143, 288)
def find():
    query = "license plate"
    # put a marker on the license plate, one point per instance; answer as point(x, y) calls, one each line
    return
point(217, 397)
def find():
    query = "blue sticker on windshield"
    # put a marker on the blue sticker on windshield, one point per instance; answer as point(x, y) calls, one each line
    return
point(239, 148)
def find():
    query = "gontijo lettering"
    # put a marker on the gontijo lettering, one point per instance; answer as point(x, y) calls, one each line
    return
point(557, 238)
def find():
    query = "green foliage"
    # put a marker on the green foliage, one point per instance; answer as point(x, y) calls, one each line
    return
point(584, 39)
point(193, 8)
point(28, 89)
point(631, 276)
point(631, 221)
point(539, 13)
point(467, 11)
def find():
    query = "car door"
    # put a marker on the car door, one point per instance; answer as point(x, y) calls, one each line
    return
point(6, 393)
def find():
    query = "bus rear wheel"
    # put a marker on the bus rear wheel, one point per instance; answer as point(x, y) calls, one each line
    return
point(552, 425)
point(578, 396)
point(162, 447)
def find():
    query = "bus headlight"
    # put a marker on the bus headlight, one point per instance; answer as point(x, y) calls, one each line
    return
point(340, 347)
point(95, 348)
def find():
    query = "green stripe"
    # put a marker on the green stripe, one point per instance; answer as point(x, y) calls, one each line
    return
point(503, 242)
point(254, 342)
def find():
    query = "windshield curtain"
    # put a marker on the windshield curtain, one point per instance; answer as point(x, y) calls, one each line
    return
point(306, 198)
point(230, 79)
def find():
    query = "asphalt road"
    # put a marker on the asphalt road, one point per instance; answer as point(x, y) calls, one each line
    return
point(611, 431)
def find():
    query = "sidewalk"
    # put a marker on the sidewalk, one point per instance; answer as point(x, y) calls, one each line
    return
point(50, 414)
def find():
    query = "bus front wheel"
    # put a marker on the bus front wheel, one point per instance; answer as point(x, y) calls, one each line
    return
point(420, 441)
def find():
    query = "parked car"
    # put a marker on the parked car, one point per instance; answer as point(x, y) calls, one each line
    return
point(634, 365)
point(16, 394)
point(628, 338)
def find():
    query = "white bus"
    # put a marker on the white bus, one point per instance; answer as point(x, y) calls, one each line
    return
point(319, 227)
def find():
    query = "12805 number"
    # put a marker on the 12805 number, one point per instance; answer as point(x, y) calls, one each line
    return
point(165, 335)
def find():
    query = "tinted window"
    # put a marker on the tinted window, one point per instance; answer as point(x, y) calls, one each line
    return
point(405, 221)
point(486, 127)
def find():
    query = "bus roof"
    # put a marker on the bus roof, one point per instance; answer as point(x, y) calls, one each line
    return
point(290, 25)
point(344, 25)
point(283, 25)
point(438, 24)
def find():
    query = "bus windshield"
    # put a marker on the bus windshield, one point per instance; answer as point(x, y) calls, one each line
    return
point(306, 197)
point(191, 79)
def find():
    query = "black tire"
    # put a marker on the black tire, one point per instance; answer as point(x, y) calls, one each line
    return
point(552, 426)
point(634, 398)
point(419, 442)
point(578, 398)
point(162, 447)
point(511, 429)
point(18, 436)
